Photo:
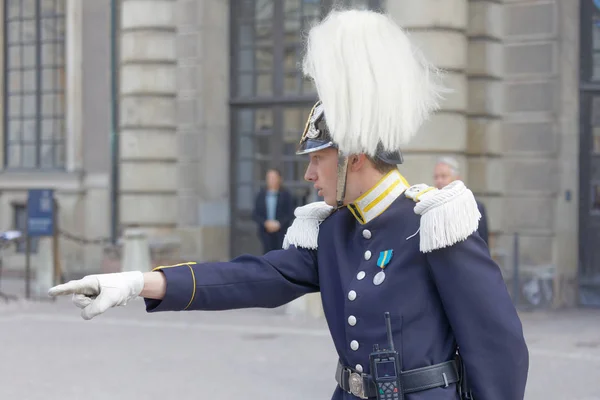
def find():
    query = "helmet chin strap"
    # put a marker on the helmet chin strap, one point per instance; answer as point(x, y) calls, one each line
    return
point(342, 170)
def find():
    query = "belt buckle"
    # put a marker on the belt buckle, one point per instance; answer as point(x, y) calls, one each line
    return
point(357, 387)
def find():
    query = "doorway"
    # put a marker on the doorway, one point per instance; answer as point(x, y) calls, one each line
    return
point(589, 157)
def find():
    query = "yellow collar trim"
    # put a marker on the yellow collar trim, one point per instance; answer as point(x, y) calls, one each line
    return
point(375, 201)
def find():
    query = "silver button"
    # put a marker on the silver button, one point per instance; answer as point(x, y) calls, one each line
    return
point(361, 275)
point(354, 345)
point(352, 320)
point(367, 255)
point(351, 295)
point(358, 368)
point(367, 234)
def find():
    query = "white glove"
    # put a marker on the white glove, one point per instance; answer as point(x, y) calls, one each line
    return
point(97, 293)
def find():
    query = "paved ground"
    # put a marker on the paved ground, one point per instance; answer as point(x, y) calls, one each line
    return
point(48, 352)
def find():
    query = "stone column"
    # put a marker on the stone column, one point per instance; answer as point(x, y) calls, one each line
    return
point(438, 29)
point(74, 95)
point(203, 128)
point(484, 140)
point(148, 147)
point(530, 139)
point(566, 213)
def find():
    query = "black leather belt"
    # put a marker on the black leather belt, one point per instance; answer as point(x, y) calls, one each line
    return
point(415, 380)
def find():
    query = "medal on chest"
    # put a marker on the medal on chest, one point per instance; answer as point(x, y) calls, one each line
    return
point(384, 259)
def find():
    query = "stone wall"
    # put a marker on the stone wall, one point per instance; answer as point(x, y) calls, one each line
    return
point(485, 57)
point(530, 131)
point(512, 121)
point(148, 146)
point(566, 212)
point(540, 132)
point(95, 104)
point(81, 190)
point(203, 128)
point(439, 30)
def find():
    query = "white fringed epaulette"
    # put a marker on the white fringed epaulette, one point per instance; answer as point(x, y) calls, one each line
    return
point(304, 231)
point(448, 216)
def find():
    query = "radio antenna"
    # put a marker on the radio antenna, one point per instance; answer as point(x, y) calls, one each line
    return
point(388, 327)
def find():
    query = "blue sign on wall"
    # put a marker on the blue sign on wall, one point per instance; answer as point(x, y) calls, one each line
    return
point(40, 212)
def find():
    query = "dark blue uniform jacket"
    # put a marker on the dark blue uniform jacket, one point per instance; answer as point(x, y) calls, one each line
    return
point(437, 300)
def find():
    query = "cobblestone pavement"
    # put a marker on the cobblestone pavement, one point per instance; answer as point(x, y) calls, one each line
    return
point(48, 352)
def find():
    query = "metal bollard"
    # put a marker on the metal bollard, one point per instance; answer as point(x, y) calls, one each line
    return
point(136, 251)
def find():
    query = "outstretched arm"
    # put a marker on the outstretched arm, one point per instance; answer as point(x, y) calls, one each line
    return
point(247, 281)
point(267, 281)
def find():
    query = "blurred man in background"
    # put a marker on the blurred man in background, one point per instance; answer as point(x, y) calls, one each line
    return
point(273, 211)
point(446, 170)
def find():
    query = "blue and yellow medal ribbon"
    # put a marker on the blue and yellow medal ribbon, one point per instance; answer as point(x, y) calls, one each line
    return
point(384, 258)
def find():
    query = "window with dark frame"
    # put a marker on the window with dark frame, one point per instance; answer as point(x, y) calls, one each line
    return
point(589, 155)
point(593, 153)
point(270, 98)
point(34, 86)
point(595, 38)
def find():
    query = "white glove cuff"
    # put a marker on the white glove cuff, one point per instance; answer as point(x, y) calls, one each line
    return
point(136, 279)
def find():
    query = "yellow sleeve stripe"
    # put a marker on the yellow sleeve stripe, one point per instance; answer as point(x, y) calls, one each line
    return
point(171, 266)
point(189, 265)
point(193, 288)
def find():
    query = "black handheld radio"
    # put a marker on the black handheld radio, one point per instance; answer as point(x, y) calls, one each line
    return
point(386, 367)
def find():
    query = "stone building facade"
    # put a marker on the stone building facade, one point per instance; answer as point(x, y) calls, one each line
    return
point(210, 95)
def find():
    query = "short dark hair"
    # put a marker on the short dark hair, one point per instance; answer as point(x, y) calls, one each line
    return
point(276, 170)
point(382, 166)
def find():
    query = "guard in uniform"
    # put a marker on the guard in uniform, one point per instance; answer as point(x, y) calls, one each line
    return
point(386, 247)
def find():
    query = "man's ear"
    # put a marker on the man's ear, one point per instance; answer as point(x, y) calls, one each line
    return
point(356, 162)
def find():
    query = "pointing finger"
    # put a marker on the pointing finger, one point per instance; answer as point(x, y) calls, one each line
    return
point(65, 288)
point(87, 285)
